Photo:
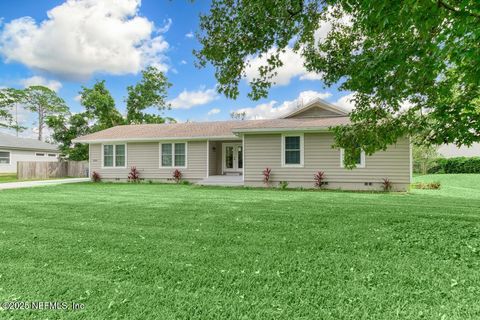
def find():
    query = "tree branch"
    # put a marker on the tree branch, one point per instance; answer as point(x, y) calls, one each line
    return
point(294, 13)
point(455, 10)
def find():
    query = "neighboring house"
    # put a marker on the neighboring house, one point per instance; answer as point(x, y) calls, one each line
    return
point(295, 147)
point(451, 150)
point(14, 149)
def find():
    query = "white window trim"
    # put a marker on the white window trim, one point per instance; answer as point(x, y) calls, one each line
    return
point(362, 159)
point(114, 157)
point(173, 154)
point(9, 158)
point(51, 155)
point(302, 150)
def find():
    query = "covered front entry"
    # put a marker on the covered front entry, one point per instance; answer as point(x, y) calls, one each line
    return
point(225, 157)
point(232, 158)
point(225, 163)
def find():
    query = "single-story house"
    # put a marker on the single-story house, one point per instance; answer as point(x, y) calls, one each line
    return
point(294, 147)
point(14, 149)
point(451, 150)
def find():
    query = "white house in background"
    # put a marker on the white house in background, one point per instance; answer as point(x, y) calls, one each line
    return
point(451, 150)
point(13, 149)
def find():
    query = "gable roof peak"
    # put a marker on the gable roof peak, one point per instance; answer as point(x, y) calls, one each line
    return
point(317, 103)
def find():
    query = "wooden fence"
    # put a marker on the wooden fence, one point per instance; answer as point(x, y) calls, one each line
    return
point(27, 170)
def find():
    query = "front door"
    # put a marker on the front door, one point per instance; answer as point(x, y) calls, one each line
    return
point(232, 157)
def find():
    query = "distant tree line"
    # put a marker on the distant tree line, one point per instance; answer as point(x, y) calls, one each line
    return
point(100, 111)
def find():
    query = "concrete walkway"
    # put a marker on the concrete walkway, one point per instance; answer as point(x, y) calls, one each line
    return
point(29, 184)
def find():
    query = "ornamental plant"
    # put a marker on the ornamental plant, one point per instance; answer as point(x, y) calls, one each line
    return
point(266, 175)
point(134, 175)
point(177, 175)
point(96, 177)
point(387, 185)
point(319, 179)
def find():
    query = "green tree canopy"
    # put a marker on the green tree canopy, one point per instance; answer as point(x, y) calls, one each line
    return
point(45, 103)
point(100, 106)
point(151, 91)
point(9, 98)
point(67, 128)
point(413, 65)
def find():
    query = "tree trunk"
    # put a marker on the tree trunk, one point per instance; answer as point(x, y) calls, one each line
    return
point(40, 123)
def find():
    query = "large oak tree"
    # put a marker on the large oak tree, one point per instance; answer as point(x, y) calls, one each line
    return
point(413, 65)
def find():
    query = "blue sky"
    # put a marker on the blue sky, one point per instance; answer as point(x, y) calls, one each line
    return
point(84, 40)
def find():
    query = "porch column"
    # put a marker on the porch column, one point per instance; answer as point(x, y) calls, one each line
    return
point(208, 158)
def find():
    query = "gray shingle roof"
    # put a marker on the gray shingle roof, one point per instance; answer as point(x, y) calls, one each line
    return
point(216, 129)
point(9, 141)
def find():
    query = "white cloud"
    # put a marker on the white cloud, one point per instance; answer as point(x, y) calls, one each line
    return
point(273, 109)
point(83, 37)
point(189, 35)
point(346, 102)
point(293, 62)
point(183, 62)
point(187, 99)
point(293, 66)
point(41, 81)
point(213, 111)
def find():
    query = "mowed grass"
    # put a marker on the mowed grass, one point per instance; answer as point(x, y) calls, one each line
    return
point(8, 177)
point(183, 252)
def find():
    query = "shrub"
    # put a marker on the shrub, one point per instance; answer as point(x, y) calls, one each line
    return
point(177, 175)
point(319, 179)
point(96, 177)
point(456, 165)
point(185, 183)
point(283, 185)
point(134, 175)
point(386, 184)
point(266, 175)
point(427, 185)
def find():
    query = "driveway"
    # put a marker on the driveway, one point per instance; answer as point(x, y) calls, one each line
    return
point(29, 184)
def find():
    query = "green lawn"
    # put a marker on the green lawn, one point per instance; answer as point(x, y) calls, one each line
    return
point(8, 177)
point(154, 251)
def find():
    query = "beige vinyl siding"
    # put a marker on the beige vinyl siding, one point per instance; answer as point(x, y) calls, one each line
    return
point(264, 150)
point(146, 157)
point(215, 158)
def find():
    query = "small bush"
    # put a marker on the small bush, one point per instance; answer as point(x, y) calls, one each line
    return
point(177, 175)
point(456, 165)
point(427, 185)
point(134, 175)
point(387, 185)
point(150, 182)
point(96, 177)
point(266, 175)
point(185, 182)
point(283, 185)
point(319, 178)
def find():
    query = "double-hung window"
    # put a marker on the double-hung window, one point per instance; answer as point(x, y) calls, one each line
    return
point(359, 161)
point(4, 157)
point(173, 155)
point(292, 150)
point(114, 155)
